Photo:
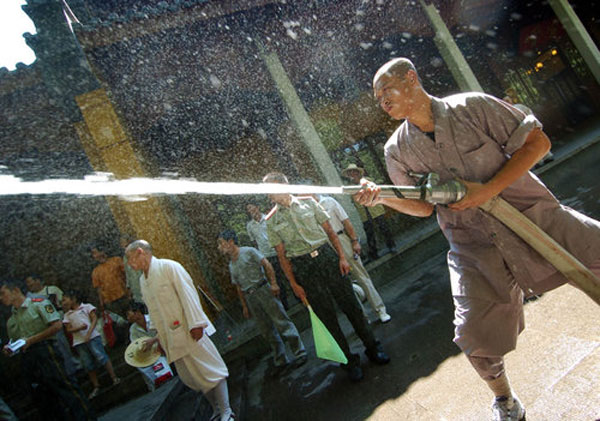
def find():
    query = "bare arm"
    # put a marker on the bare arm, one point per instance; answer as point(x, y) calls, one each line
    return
point(535, 147)
point(286, 266)
point(242, 301)
point(349, 228)
point(270, 272)
point(335, 241)
point(369, 196)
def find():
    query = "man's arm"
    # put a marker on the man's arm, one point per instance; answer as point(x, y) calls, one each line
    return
point(270, 272)
point(240, 294)
point(349, 228)
point(335, 241)
point(51, 330)
point(536, 146)
point(369, 196)
point(286, 267)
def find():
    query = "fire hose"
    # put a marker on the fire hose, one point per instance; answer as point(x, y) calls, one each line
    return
point(433, 192)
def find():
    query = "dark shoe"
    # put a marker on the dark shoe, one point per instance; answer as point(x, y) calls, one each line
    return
point(377, 355)
point(300, 361)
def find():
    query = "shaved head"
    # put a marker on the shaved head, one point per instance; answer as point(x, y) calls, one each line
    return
point(397, 67)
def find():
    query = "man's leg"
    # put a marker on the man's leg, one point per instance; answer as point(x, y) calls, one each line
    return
point(287, 330)
point(313, 276)
point(66, 391)
point(340, 287)
point(386, 232)
point(263, 321)
point(371, 239)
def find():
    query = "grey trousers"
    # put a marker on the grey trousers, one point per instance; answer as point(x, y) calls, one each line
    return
point(274, 324)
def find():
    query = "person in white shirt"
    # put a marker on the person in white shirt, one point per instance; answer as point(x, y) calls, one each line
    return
point(340, 222)
point(183, 327)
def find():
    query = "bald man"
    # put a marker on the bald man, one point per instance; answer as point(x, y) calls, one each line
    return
point(183, 328)
point(490, 146)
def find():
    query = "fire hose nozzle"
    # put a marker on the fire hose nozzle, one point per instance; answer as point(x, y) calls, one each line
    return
point(450, 192)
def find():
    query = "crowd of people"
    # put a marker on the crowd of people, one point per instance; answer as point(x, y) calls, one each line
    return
point(308, 245)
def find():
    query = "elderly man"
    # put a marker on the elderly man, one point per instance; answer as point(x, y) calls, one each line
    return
point(183, 327)
point(36, 321)
point(299, 229)
point(490, 145)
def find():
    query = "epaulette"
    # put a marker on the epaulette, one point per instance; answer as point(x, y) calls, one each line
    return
point(37, 300)
point(271, 213)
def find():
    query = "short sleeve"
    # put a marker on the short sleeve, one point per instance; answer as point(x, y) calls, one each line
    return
point(257, 256)
point(274, 238)
point(339, 210)
point(505, 124)
point(47, 312)
point(321, 214)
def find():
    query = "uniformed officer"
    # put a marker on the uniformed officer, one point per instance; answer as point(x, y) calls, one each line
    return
point(298, 228)
point(36, 321)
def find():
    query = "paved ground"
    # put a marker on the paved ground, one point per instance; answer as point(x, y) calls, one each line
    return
point(555, 369)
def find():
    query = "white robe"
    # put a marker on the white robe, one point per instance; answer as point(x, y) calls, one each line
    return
point(174, 308)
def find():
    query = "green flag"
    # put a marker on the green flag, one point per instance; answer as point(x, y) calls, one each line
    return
point(327, 348)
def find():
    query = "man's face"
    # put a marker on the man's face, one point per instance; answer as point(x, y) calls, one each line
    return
point(394, 95)
point(224, 246)
point(33, 284)
point(134, 316)
point(280, 198)
point(354, 175)
point(253, 211)
point(98, 255)
point(6, 296)
point(135, 259)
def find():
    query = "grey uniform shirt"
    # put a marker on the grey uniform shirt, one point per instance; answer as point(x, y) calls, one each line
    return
point(247, 271)
point(475, 134)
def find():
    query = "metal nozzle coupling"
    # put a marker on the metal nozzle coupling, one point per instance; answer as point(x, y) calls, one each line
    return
point(432, 192)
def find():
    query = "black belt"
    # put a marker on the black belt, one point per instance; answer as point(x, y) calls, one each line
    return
point(255, 288)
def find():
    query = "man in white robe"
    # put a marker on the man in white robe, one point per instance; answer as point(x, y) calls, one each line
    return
point(183, 327)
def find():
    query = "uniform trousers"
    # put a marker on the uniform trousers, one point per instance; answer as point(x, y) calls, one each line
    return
point(360, 274)
point(59, 397)
point(274, 324)
point(323, 283)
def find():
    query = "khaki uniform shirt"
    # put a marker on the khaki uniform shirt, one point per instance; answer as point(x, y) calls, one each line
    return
point(475, 134)
point(297, 227)
point(34, 316)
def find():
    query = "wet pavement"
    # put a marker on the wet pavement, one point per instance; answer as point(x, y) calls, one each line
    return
point(554, 370)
